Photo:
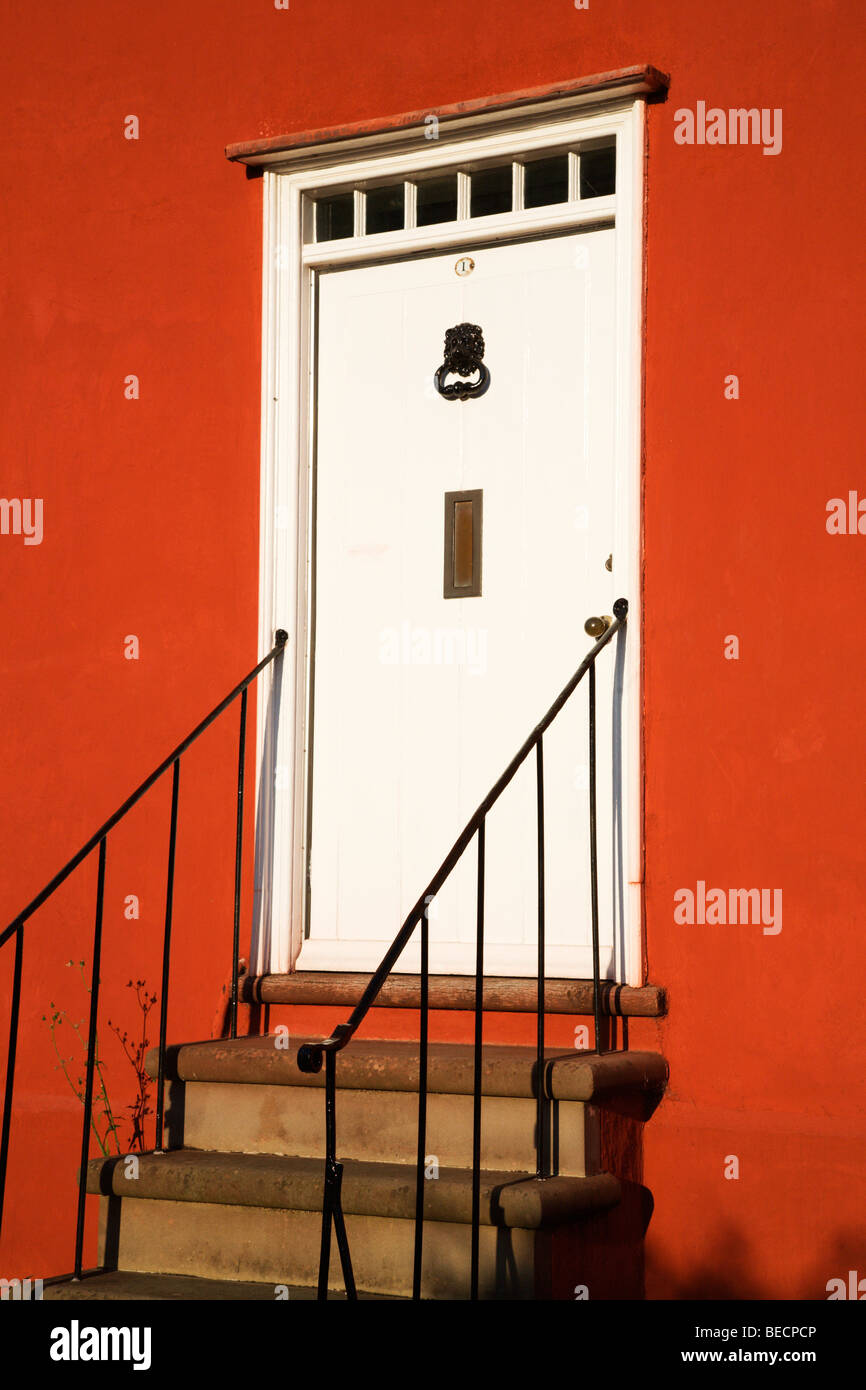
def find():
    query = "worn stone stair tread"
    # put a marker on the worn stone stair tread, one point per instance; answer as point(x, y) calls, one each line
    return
point(386, 1065)
point(124, 1285)
point(369, 1189)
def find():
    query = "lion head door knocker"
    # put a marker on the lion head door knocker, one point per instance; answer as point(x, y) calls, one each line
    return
point(464, 351)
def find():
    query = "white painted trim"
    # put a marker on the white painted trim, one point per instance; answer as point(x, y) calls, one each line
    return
point(517, 184)
point(628, 541)
point(429, 156)
point(410, 197)
point(290, 267)
point(504, 226)
point(283, 547)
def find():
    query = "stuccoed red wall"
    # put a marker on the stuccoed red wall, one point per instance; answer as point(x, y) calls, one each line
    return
point(144, 257)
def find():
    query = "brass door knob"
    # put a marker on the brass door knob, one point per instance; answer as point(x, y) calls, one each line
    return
point(596, 627)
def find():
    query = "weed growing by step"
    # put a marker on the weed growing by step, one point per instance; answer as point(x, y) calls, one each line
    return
point(135, 1053)
point(104, 1122)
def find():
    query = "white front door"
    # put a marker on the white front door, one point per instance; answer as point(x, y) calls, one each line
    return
point(418, 700)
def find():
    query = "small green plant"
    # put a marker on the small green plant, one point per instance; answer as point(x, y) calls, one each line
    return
point(103, 1120)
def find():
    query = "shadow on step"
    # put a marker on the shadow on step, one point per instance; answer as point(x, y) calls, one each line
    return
point(600, 1257)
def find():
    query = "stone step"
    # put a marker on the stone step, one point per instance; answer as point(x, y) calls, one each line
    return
point(256, 1218)
point(377, 1126)
point(238, 1197)
point(377, 1065)
point(369, 1189)
point(278, 1246)
point(128, 1286)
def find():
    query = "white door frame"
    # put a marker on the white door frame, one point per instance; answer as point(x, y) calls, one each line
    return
point(290, 264)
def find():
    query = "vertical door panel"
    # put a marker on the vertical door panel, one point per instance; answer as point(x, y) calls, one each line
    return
point(420, 701)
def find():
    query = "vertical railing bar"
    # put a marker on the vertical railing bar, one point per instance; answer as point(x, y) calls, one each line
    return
point(422, 1106)
point(91, 1061)
point(10, 1063)
point(343, 1240)
point(239, 840)
point(166, 955)
point(330, 1160)
point(333, 1207)
point(593, 866)
point(476, 1082)
point(541, 1100)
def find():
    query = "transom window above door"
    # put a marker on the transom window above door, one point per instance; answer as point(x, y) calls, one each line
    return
point(463, 194)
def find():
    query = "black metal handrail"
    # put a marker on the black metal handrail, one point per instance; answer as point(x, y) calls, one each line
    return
point(311, 1055)
point(99, 838)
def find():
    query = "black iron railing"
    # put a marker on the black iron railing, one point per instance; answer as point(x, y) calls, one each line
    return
point(311, 1055)
point(99, 841)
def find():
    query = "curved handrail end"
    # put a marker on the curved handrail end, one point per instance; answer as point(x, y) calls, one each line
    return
point(310, 1057)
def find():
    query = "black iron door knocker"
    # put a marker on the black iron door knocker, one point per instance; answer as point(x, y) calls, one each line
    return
point(464, 351)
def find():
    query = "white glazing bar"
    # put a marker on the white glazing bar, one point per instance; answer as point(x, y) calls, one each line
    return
point(410, 205)
point(517, 180)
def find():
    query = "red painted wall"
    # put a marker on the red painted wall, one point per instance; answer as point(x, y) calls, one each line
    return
point(144, 257)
